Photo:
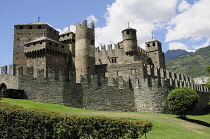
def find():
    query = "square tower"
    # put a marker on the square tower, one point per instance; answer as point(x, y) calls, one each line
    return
point(24, 33)
point(154, 49)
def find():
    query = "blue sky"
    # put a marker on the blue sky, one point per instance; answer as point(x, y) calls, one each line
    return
point(183, 24)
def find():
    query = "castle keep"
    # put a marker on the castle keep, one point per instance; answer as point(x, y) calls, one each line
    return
point(68, 69)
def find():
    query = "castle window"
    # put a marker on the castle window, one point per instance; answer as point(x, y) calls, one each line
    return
point(128, 32)
point(39, 27)
point(21, 27)
point(148, 45)
point(40, 43)
point(67, 34)
point(50, 43)
point(34, 44)
point(153, 44)
point(92, 42)
point(30, 27)
point(114, 60)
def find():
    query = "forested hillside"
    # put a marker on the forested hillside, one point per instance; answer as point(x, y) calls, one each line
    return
point(192, 64)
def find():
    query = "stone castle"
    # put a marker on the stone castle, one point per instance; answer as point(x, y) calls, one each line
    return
point(68, 69)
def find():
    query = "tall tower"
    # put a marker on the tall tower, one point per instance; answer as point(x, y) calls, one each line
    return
point(129, 41)
point(154, 48)
point(85, 50)
point(68, 38)
point(24, 33)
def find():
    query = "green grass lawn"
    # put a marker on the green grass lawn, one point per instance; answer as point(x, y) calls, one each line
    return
point(165, 126)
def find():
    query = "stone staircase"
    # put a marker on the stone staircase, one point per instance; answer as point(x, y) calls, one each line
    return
point(2, 95)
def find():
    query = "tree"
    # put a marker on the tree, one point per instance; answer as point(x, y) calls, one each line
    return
point(182, 101)
point(207, 84)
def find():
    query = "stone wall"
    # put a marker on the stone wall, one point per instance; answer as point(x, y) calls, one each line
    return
point(8, 76)
point(98, 95)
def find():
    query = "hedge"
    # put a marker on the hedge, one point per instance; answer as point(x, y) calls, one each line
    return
point(17, 122)
point(14, 93)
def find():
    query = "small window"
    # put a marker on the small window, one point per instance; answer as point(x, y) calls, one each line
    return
point(67, 34)
point(30, 27)
point(34, 44)
point(148, 45)
point(40, 42)
point(50, 43)
point(39, 27)
point(153, 44)
point(92, 42)
point(114, 60)
point(128, 32)
point(21, 27)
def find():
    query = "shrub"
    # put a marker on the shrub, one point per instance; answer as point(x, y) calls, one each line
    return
point(17, 122)
point(182, 101)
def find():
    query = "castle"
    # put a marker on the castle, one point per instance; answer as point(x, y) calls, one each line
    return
point(68, 69)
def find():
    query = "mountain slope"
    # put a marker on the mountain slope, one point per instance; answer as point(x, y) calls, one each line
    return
point(171, 54)
point(192, 64)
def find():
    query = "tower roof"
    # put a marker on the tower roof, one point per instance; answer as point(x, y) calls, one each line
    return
point(67, 32)
point(42, 39)
point(34, 23)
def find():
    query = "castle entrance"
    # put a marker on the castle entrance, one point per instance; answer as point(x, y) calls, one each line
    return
point(3, 88)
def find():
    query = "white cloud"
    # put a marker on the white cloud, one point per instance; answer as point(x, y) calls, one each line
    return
point(142, 15)
point(178, 45)
point(91, 19)
point(183, 6)
point(192, 24)
point(71, 27)
point(207, 43)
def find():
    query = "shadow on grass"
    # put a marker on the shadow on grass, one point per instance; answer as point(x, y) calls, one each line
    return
point(197, 122)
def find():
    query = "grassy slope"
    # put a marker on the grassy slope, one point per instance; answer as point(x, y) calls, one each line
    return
point(165, 126)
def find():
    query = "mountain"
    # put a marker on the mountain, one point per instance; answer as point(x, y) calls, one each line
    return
point(193, 64)
point(171, 54)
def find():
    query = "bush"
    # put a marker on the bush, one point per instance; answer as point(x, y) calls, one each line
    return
point(17, 122)
point(182, 101)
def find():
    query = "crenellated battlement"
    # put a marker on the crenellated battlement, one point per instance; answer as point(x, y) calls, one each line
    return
point(170, 79)
point(12, 70)
point(115, 49)
point(94, 80)
point(84, 25)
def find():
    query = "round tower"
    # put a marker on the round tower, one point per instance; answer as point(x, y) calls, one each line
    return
point(84, 50)
point(129, 40)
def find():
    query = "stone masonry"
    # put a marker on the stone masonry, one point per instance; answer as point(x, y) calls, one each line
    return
point(67, 69)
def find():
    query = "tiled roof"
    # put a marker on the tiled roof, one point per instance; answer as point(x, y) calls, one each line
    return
point(34, 23)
